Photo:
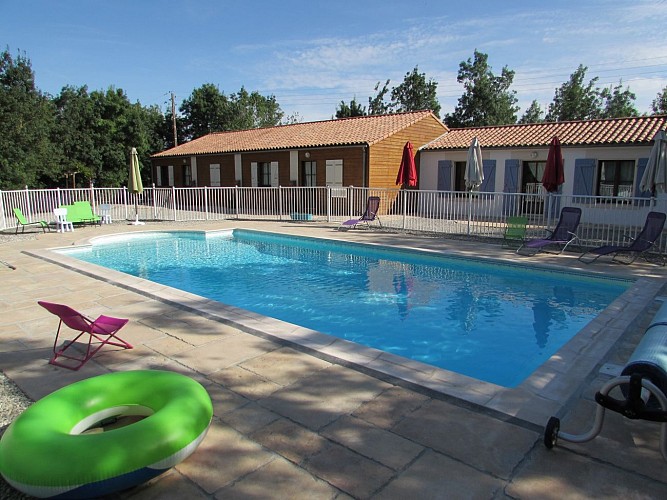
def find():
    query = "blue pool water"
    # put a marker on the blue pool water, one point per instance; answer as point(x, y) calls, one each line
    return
point(496, 323)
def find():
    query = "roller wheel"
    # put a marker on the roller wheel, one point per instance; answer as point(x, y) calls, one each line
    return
point(551, 432)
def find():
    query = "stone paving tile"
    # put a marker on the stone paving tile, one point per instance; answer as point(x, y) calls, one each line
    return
point(244, 382)
point(223, 457)
point(278, 479)
point(315, 401)
point(434, 475)
point(172, 485)
point(249, 417)
point(285, 365)
point(558, 474)
point(228, 351)
point(623, 442)
point(223, 399)
point(380, 445)
point(349, 471)
point(291, 440)
point(390, 407)
point(484, 443)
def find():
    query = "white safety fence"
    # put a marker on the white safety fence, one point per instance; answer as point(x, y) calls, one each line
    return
point(605, 220)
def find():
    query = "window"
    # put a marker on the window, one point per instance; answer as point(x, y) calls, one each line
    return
point(460, 176)
point(309, 173)
point(264, 174)
point(533, 171)
point(187, 175)
point(615, 178)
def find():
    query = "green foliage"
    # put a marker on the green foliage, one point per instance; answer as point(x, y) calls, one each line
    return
point(416, 94)
point(27, 153)
point(619, 103)
point(378, 105)
point(576, 101)
point(659, 104)
point(487, 99)
point(96, 132)
point(354, 109)
point(533, 114)
point(209, 110)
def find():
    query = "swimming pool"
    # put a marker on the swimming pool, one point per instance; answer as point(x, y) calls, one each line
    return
point(495, 323)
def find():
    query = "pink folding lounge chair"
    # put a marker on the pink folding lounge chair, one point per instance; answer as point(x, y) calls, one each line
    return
point(103, 330)
point(369, 215)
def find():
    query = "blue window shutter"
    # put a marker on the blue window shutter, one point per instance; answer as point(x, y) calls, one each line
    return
point(511, 176)
point(489, 182)
point(641, 168)
point(584, 173)
point(445, 175)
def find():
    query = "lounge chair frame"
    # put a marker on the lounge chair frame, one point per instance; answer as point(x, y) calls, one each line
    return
point(369, 215)
point(639, 246)
point(103, 330)
point(563, 235)
point(22, 222)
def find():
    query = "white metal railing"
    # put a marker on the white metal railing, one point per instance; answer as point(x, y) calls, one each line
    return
point(605, 219)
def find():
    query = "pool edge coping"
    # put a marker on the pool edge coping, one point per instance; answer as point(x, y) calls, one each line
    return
point(545, 392)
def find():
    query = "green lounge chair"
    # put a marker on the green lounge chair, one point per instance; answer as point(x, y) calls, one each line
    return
point(85, 212)
point(22, 222)
point(80, 212)
point(515, 232)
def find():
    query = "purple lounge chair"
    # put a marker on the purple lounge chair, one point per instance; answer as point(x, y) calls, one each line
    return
point(103, 330)
point(562, 236)
point(369, 215)
point(655, 223)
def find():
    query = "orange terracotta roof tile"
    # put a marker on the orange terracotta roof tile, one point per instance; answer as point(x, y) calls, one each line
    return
point(342, 132)
point(639, 130)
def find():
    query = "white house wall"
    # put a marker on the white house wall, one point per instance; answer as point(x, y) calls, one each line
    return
point(428, 168)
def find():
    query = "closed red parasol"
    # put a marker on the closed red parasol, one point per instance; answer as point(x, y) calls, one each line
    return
point(407, 173)
point(553, 172)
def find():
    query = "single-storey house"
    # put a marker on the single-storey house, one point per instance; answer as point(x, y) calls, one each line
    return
point(601, 157)
point(362, 151)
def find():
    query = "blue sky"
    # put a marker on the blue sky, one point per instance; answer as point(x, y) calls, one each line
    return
point(311, 55)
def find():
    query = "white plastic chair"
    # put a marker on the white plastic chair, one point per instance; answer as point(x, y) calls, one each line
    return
point(62, 224)
point(105, 213)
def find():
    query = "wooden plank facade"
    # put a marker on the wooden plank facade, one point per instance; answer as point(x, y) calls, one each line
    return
point(363, 151)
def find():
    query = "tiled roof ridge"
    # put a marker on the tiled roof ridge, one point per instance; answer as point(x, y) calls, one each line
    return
point(367, 129)
point(564, 122)
point(599, 131)
point(421, 113)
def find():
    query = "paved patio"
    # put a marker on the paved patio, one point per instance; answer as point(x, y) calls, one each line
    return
point(311, 420)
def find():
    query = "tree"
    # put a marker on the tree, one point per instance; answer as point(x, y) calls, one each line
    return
point(619, 103)
point(354, 109)
point(252, 111)
point(27, 153)
point(487, 99)
point(574, 101)
point(96, 132)
point(377, 105)
point(533, 114)
point(659, 104)
point(209, 110)
point(205, 111)
point(416, 94)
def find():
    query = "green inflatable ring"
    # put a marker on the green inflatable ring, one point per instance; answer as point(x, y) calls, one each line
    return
point(43, 452)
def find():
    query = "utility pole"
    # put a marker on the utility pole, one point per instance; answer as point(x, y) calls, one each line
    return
point(173, 117)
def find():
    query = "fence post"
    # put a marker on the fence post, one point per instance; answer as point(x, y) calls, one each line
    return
point(125, 202)
point(236, 201)
point(206, 202)
point(173, 200)
point(280, 203)
point(405, 206)
point(328, 203)
point(154, 193)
